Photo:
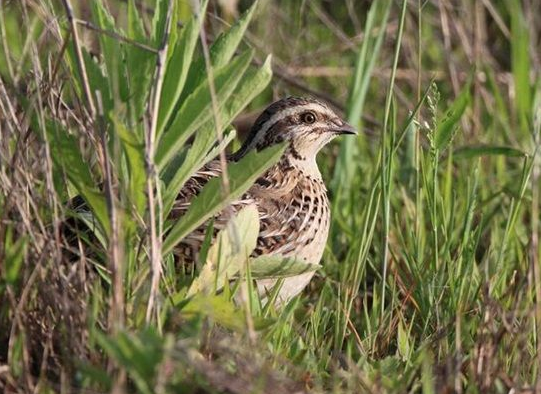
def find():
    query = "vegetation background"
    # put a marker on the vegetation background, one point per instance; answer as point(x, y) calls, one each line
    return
point(431, 278)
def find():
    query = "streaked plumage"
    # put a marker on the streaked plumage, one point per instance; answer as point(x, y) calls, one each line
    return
point(291, 197)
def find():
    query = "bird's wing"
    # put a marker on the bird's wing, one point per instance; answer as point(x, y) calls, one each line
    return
point(287, 212)
point(191, 244)
point(283, 217)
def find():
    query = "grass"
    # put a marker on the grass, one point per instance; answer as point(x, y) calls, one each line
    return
point(430, 281)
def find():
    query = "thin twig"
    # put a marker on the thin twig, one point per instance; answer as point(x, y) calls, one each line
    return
point(9, 111)
point(115, 35)
point(497, 18)
point(48, 162)
point(331, 24)
point(152, 177)
point(79, 57)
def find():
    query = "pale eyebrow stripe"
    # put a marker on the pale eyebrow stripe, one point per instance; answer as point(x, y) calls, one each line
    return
point(284, 114)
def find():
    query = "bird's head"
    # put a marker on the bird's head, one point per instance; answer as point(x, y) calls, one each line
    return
point(307, 124)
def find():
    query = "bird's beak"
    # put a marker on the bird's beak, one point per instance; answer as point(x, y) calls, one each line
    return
point(345, 128)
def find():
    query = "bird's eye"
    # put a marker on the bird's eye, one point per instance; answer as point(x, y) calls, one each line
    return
point(308, 117)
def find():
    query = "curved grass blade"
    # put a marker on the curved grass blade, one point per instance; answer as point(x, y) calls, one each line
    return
point(471, 152)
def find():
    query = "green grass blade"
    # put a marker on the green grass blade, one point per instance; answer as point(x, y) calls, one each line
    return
point(368, 53)
point(471, 152)
point(14, 251)
point(520, 63)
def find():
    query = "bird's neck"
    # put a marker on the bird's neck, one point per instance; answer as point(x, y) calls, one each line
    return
point(294, 171)
point(307, 167)
point(285, 176)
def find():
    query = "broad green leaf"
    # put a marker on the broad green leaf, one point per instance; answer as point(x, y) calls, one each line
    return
point(173, 31)
point(134, 149)
point(139, 68)
point(197, 109)
point(468, 152)
point(98, 82)
point(403, 342)
point(219, 308)
point(231, 249)
point(178, 67)
point(65, 153)
point(139, 353)
point(447, 127)
point(111, 51)
point(96, 78)
point(221, 51)
point(212, 200)
point(158, 21)
point(202, 150)
point(253, 82)
point(136, 29)
point(95, 374)
point(277, 266)
point(139, 64)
